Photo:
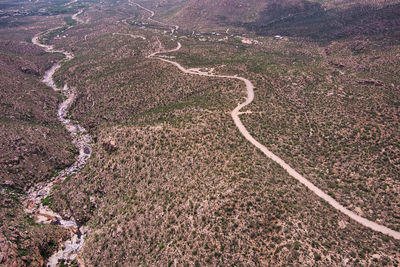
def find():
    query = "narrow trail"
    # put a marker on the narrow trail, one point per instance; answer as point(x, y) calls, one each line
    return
point(292, 172)
point(152, 13)
point(75, 17)
point(33, 204)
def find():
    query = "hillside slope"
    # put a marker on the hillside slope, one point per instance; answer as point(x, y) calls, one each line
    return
point(302, 18)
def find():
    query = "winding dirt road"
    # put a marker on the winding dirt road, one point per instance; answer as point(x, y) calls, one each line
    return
point(75, 17)
point(152, 13)
point(235, 116)
point(292, 172)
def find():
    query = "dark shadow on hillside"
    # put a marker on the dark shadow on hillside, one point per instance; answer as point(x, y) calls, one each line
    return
point(311, 21)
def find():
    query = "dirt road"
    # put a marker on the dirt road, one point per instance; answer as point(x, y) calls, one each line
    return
point(235, 116)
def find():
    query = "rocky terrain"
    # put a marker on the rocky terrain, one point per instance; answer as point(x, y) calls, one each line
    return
point(34, 145)
point(171, 180)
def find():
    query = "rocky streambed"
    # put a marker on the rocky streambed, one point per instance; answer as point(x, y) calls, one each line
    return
point(38, 198)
